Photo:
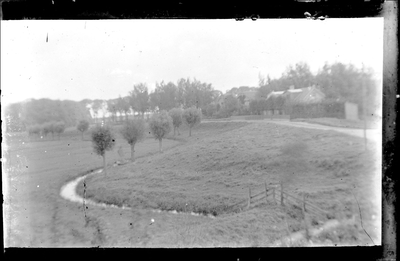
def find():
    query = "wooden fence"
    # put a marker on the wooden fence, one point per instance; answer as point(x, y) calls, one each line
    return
point(276, 194)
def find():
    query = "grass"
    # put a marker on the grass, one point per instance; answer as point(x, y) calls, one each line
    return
point(211, 175)
point(33, 173)
point(207, 173)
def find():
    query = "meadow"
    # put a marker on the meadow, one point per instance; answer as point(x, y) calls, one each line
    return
point(207, 173)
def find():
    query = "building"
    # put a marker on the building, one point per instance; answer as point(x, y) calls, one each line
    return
point(281, 102)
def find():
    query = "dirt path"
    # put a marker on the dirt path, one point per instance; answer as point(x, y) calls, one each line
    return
point(372, 134)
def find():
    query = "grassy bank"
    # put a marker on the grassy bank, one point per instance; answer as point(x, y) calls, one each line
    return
point(213, 170)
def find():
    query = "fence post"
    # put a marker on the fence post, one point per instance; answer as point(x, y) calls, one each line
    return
point(282, 203)
point(248, 205)
point(266, 191)
point(305, 218)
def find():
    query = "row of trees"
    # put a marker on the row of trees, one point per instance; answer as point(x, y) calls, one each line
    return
point(20, 116)
point(185, 93)
point(134, 131)
point(42, 130)
point(338, 81)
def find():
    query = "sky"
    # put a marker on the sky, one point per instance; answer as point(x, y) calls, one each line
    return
point(102, 59)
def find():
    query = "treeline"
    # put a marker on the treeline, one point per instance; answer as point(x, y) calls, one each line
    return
point(338, 81)
point(23, 115)
point(43, 130)
point(185, 93)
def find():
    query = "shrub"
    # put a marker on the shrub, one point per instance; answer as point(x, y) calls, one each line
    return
point(221, 114)
point(103, 140)
point(58, 127)
point(83, 126)
point(192, 117)
point(176, 115)
point(34, 129)
point(46, 128)
point(160, 126)
point(133, 131)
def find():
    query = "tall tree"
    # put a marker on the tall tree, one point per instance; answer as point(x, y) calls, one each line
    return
point(345, 82)
point(112, 108)
point(97, 105)
point(140, 97)
point(123, 106)
point(165, 96)
point(299, 76)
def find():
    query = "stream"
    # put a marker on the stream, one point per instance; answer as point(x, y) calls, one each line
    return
point(68, 192)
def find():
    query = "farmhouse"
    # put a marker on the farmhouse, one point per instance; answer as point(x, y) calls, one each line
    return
point(281, 102)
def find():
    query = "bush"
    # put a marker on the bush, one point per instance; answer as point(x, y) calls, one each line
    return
point(210, 110)
point(192, 117)
point(176, 115)
point(133, 131)
point(160, 126)
point(83, 126)
point(103, 140)
point(221, 114)
point(46, 128)
point(34, 129)
point(58, 127)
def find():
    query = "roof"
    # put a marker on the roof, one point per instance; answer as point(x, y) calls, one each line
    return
point(303, 95)
point(307, 95)
point(275, 93)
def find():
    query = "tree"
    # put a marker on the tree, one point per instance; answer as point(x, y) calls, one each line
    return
point(133, 131)
point(165, 96)
point(176, 115)
point(160, 126)
point(34, 129)
point(112, 108)
point(211, 109)
point(299, 76)
point(195, 93)
point(140, 97)
point(51, 128)
point(46, 128)
point(123, 106)
point(45, 110)
point(83, 126)
point(103, 140)
point(192, 117)
point(96, 107)
point(59, 127)
point(231, 104)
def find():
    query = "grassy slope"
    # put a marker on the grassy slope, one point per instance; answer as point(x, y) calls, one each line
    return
point(33, 174)
point(213, 170)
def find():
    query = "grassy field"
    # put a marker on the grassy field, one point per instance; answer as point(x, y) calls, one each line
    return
point(208, 173)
